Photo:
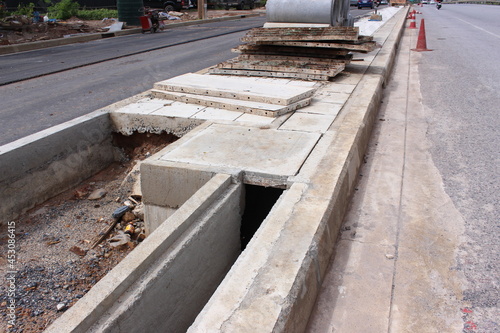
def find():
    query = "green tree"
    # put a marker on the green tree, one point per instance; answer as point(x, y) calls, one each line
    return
point(63, 10)
point(25, 9)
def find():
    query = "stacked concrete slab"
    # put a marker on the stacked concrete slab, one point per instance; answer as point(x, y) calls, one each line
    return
point(309, 53)
point(235, 94)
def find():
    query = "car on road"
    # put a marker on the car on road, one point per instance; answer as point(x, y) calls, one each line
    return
point(238, 4)
point(365, 3)
point(168, 5)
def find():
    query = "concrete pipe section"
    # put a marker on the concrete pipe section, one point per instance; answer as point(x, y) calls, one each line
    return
point(332, 12)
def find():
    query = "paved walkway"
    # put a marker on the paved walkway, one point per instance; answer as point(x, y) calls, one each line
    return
point(393, 268)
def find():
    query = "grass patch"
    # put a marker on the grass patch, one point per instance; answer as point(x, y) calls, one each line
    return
point(96, 14)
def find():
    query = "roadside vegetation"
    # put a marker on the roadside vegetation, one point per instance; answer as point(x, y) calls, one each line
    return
point(62, 10)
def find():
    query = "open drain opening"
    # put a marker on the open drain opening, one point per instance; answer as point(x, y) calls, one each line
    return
point(258, 203)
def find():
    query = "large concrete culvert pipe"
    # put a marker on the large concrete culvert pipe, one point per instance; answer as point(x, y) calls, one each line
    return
point(332, 12)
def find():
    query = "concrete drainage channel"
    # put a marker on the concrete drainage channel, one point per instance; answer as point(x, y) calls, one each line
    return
point(190, 274)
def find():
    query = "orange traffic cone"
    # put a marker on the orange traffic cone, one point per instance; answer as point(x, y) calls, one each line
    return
point(421, 42)
point(413, 24)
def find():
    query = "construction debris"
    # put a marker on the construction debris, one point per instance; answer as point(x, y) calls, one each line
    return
point(97, 194)
point(308, 53)
point(119, 239)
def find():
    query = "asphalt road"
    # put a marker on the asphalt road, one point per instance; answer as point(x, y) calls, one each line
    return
point(460, 90)
point(43, 88)
point(25, 65)
point(29, 106)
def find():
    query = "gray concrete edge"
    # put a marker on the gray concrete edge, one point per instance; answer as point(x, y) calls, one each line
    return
point(354, 132)
point(274, 301)
point(101, 297)
point(15, 48)
point(40, 166)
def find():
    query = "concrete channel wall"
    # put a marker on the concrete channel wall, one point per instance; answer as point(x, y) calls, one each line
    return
point(265, 291)
point(40, 166)
point(189, 273)
point(185, 258)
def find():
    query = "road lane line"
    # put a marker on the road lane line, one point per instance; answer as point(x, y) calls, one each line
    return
point(475, 26)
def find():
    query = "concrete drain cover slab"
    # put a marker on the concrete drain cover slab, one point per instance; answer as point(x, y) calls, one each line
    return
point(244, 88)
point(267, 151)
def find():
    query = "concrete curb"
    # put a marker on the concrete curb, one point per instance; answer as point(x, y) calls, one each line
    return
point(65, 154)
point(272, 294)
point(8, 49)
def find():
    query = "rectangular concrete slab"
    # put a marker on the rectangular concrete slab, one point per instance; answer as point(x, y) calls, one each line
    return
point(178, 109)
point(327, 96)
point(239, 105)
point(143, 106)
point(322, 108)
point(308, 122)
point(248, 118)
point(244, 88)
point(265, 151)
point(209, 113)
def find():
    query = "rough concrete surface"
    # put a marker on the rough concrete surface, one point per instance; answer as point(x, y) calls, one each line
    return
point(285, 262)
point(393, 267)
point(247, 148)
point(42, 165)
point(101, 301)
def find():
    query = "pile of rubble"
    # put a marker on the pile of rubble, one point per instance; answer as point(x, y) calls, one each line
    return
point(309, 53)
point(18, 29)
point(15, 22)
point(128, 220)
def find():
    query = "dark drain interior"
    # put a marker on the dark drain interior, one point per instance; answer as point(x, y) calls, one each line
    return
point(258, 203)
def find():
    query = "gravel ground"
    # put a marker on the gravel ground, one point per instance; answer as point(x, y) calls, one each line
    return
point(55, 263)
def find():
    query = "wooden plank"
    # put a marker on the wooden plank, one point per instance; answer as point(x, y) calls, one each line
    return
point(261, 109)
point(241, 72)
point(302, 33)
point(365, 47)
point(284, 66)
point(294, 50)
point(230, 87)
point(265, 57)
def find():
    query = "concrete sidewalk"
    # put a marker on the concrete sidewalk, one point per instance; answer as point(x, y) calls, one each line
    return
point(393, 267)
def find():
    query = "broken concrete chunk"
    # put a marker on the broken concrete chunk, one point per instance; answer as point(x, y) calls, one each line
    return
point(139, 211)
point(61, 307)
point(128, 216)
point(120, 239)
point(97, 194)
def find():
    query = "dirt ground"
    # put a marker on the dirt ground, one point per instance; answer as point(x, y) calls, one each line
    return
point(32, 32)
point(55, 262)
